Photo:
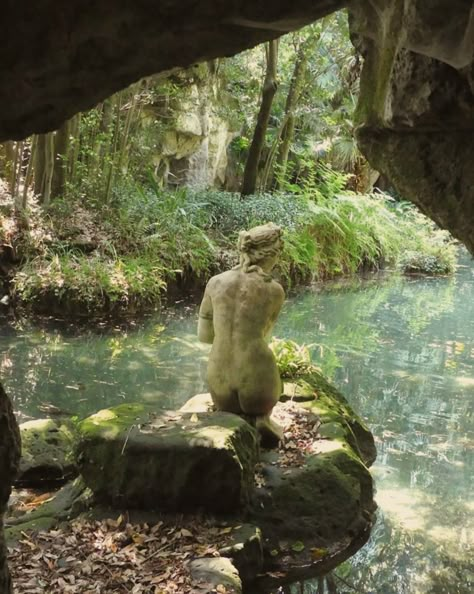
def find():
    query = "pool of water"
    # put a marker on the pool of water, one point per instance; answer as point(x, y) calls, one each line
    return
point(401, 350)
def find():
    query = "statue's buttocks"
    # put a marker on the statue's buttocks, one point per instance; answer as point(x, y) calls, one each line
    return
point(237, 314)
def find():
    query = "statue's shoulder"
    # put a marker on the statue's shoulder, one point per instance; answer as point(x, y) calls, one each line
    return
point(277, 289)
point(223, 277)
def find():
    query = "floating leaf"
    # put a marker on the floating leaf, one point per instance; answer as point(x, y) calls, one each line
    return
point(297, 546)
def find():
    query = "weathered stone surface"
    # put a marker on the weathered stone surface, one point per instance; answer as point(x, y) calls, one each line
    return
point(209, 572)
point(59, 58)
point(132, 458)
point(334, 411)
point(68, 502)
point(245, 551)
point(47, 452)
point(194, 151)
point(315, 514)
point(416, 105)
point(201, 403)
point(9, 458)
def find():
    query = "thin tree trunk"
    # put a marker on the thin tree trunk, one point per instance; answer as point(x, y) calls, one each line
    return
point(110, 177)
point(292, 99)
point(49, 168)
point(249, 183)
point(39, 164)
point(14, 171)
point(61, 144)
point(74, 146)
point(29, 172)
point(44, 167)
point(126, 132)
point(7, 159)
point(18, 174)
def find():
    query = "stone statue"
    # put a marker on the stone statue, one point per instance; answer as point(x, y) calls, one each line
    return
point(237, 314)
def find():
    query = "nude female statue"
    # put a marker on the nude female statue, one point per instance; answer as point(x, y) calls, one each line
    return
point(237, 314)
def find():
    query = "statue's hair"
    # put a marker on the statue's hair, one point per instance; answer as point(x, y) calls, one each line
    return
point(258, 244)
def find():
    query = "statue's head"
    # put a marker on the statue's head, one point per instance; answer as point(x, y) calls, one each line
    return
point(260, 247)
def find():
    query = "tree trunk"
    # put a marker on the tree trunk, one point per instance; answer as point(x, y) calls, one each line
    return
point(39, 164)
point(249, 183)
point(113, 157)
point(292, 99)
point(121, 166)
point(44, 167)
point(29, 172)
point(75, 133)
point(61, 145)
point(9, 459)
point(15, 168)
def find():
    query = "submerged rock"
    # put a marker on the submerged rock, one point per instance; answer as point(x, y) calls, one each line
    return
point(131, 457)
point(47, 452)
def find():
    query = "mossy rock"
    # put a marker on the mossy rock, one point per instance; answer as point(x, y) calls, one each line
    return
point(47, 455)
point(131, 457)
point(338, 419)
point(316, 512)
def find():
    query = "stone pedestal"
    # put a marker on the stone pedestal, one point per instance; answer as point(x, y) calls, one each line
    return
point(131, 457)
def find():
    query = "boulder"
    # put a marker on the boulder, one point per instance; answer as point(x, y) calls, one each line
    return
point(72, 499)
point(47, 453)
point(245, 551)
point(9, 458)
point(314, 499)
point(131, 457)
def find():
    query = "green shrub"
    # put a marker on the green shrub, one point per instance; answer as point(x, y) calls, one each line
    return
point(292, 359)
point(412, 262)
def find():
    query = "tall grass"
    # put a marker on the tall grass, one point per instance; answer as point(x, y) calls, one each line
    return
point(148, 236)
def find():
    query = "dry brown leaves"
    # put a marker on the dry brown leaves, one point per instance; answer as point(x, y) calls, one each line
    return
point(300, 432)
point(113, 556)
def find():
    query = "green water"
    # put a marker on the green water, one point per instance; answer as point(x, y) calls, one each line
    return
point(401, 350)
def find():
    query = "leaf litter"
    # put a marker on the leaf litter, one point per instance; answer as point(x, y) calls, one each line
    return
point(116, 557)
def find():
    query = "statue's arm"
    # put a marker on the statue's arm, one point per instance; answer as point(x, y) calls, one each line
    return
point(205, 323)
point(278, 300)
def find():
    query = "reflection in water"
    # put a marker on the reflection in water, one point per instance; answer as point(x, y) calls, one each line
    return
point(401, 350)
point(403, 353)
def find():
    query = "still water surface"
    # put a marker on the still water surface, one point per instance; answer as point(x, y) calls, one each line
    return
point(401, 350)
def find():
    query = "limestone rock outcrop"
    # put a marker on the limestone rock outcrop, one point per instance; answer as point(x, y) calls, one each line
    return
point(416, 104)
point(9, 459)
point(193, 150)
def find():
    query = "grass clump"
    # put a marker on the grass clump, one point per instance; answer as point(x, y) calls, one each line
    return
point(292, 358)
point(91, 281)
point(123, 254)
